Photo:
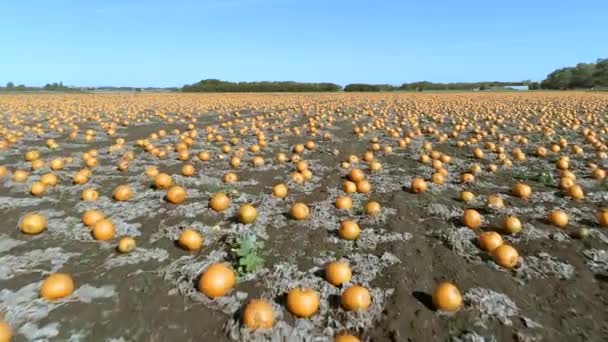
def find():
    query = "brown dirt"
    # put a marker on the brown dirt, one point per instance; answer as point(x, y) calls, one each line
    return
point(150, 302)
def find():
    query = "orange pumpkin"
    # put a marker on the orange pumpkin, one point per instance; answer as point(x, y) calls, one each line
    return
point(302, 302)
point(258, 314)
point(471, 218)
point(356, 298)
point(217, 280)
point(447, 297)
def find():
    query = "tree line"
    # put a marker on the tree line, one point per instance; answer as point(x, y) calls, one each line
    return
point(60, 87)
point(214, 85)
point(56, 86)
point(425, 85)
point(218, 86)
point(581, 76)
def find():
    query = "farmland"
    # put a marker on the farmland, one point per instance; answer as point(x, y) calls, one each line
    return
point(198, 217)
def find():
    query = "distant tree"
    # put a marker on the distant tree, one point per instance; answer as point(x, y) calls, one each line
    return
point(533, 86)
point(10, 85)
point(600, 75)
point(582, 76)
point(214, 85)
point(558, 79)
point(361, 87)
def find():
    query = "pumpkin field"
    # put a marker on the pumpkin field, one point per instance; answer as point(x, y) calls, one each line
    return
point(474, 216)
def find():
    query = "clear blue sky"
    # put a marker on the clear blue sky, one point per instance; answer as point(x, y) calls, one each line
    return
point(169, 43)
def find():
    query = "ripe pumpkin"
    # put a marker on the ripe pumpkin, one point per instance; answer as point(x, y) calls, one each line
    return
point(307, 174)
point(521, 190)
point(3, 171)
point(257, 161)
point(152, 172)
point(163, 181)
point(447, 297)
point(80, 177)
point(280, 190)
point(48, 179)
point(471, 218)
point(338, 273)
point(602, 217)
point(302, 302)
point(32, 155)
point(566, 182)
point(375, 165)
point(356, 175)
point(247, 214)
point(204, 156)
point(568, 174)
point(576, 192)
point(176, 194)
point(349, 230)
point(6, 334)
point(217, 280)
point(37, 188)
point(56, 164)
point(299, 211)
point(103, 230)
point(123, 193)
point(363, 187)
point(418, 185)
point(597, 173)
point(437, 178)
point(188, 170)
point(190, 240)
point(511, 225)
point(562, 163)
point(489, 241)
point(90, 217)
point(349, 187)
point(466, 196)
point(219, 202)
point(297, 177)
point(467, 177)
point(33, 223)
point(372, 208)
point(281, 158)
point(506, 256)
point(343, 202)
point(57, 286)
point(230, 178)
point(20, 176)
point(258, 314)
point(346, 338)
point(301, 166)
point(356, 298)
point(37, 164)
point(558, 218)
point(90, 195)
point(495, 201)
point(126, 245)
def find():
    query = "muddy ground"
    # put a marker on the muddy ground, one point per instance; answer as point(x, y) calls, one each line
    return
point(558, 292)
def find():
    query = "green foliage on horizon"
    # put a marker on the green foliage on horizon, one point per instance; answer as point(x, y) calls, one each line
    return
point(10, 86)
point(218, 86)
point(369, 87)
point(425, 85)
point(581, 76)
point(60, 87)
